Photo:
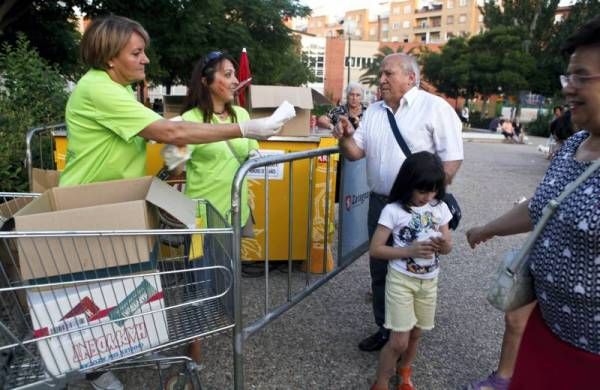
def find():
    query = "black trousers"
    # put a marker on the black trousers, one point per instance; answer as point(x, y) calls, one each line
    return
point(377, 267)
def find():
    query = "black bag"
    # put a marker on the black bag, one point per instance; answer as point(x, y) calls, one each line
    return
point(449, 199)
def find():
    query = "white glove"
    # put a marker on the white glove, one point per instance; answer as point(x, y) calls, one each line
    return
point(175, 155)
point(264, 128)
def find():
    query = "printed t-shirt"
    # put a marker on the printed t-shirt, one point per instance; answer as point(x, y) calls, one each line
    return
point(407, 227)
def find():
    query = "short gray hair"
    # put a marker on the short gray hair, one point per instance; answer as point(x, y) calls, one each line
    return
point(353, 86)
point(408, 64)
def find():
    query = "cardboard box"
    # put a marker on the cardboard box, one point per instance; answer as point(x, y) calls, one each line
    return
point(264, 99)
point(90, 317)
point(130, 204)
point(10, 275)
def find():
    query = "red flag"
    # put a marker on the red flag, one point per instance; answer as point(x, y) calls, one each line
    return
point(243, 74)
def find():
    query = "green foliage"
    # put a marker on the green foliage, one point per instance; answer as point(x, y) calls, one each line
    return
point(478, 121)
point(182, 32)
point(32, 93)
point(541, 126)
point(449, 69)
point(319, 110)
point(482, 64)
point(51, 28)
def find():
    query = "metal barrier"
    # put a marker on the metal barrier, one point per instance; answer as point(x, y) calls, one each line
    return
point(41, 141)
point(242, 332)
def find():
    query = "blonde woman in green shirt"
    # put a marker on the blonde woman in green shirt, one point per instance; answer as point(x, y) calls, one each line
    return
point(108, 128)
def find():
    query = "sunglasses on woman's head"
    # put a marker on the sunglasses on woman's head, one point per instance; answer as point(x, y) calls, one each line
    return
point(211, 57)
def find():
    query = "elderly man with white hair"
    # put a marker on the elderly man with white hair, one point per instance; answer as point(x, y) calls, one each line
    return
point(353, 109)
point(427, 123)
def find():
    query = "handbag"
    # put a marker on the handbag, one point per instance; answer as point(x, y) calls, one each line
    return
point(449, 199)
point(512, 285)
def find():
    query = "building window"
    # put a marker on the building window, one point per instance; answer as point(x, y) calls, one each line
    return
point(406, 24)
point(450, 4)
point(449, 35)
point(385, 27)
point(435, 37)
point(462, 18)
point(407, 9)
point(405, 39)
point(394, 39)
point(462, 3)
point(396, 26)
point(450, 19)
point(436, 22)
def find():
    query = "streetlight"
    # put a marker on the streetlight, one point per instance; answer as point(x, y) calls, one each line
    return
point(349, 29)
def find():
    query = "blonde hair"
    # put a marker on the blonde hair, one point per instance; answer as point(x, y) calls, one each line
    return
point(105, 37)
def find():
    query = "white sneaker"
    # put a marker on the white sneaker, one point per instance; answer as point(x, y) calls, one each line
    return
point(107, 381)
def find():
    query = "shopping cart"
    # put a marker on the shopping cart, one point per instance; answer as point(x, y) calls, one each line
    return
point(128, 295)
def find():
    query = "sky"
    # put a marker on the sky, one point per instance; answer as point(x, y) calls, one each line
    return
point(337, 8)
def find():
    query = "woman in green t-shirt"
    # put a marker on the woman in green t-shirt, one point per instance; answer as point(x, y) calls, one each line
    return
point(212, 166)
point(108, 128)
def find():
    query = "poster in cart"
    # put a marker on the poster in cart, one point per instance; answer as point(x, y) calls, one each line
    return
point(86, 324)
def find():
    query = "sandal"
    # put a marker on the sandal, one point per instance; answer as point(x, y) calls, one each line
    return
point(404, 374)
point(493, 381)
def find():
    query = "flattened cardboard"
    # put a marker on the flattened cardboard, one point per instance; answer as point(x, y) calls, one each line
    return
point(265, 98)
point(75, 308)
point(117, 205)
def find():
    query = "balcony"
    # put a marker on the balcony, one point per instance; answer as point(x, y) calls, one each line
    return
point(430, 8)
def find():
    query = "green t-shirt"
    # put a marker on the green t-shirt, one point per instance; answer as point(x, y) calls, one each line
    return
point(210, 170)
point(103, 120)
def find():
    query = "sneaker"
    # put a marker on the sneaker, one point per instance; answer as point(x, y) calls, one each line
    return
point(492, 382)
point(107, 381)
point(374, 342)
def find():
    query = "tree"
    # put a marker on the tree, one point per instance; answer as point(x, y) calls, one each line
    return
point(551, 60)
point(50, 27)
point(181, 32)
point(449, 70)
point(32, 93)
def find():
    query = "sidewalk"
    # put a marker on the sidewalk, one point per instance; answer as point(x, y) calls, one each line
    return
point(314, 345)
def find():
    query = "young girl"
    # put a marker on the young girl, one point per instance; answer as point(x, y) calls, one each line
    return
point(418, 220)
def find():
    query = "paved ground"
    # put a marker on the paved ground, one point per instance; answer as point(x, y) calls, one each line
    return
point(313, 346)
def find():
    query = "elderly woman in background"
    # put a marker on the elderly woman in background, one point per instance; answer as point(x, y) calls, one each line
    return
point(560, 348)
point(108, 128)
point(353, 109)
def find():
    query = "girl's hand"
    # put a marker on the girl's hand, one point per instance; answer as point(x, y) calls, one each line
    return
point(477, 235)
point(441, 244)
point(421, 249)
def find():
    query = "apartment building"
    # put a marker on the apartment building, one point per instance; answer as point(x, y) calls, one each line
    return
point(407, 21)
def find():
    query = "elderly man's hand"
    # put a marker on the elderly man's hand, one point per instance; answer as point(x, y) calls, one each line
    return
point(343, 129)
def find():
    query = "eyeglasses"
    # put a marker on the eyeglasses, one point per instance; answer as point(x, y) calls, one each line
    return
point(575, 80)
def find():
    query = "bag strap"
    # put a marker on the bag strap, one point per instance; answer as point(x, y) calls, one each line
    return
point(230, 146)
point(546, 214)
point(396, 131)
